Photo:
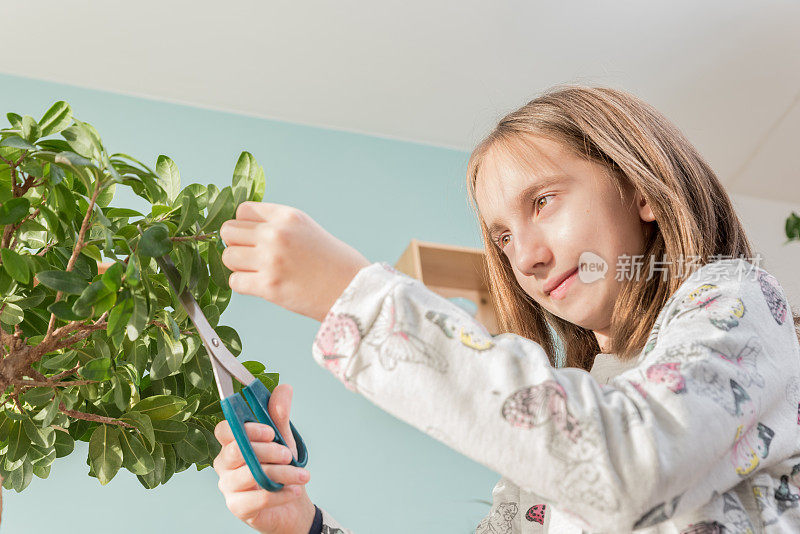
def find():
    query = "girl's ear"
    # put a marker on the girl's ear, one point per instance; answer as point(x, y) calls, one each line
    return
point(645, 213)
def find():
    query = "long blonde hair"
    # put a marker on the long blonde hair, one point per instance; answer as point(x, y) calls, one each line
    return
point(639, 147)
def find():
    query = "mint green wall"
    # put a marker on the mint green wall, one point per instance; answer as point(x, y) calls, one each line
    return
point(371, 471)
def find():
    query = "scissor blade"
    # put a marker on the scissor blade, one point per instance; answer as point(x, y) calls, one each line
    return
point(217, 351)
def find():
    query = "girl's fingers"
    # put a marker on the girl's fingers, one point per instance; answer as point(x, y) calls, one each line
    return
point(257, 211)
point(241, 479)
point(240, 258)
point(248, 504)
point(280, 404)
point(254, 431)
point(235, 232)
point(246, 283)
point(230, 456)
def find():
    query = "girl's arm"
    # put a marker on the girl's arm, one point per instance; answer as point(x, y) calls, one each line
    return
point(707, 404)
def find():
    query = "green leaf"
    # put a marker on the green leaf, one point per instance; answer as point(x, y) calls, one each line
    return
point(189, 211)
point(198, 371)
point(169, 177)
point(63, 310)
point(67, 281)
point(96, 369)
point(155, 241)
point(174, 329)
point(132, 271)
point(160, 407)
point(169, 462)
point(12, 314)
point(138, 320)
point(105, 453)
point(193, 447)
point(169, 431)
point(38, 396)
point(30, 129)
point(135, 457)
point(169, 357)
point(270, 380)
point(245, 175)
point(15, 141)
point(118, 320)
point(14, 210)
point(42, 437)
point(143, 424)
point(230, 337)
point(54, 225)
point(55, 119)
point(214, 446)
point(192, 344)
point(154, 477)
point(95, 299)
point(15, 265)
point(254, 367)
point(219, 272)
point(185, 266)
point(106, 195)
point(15, 119)
point(64, 444)
point(83, 139)
point(221, 210)
point(112, 278)
point(18, 441)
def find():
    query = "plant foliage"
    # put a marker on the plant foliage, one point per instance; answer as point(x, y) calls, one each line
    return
point(111, 359)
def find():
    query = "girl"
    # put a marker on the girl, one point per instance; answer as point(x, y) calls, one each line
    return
point(609, 240)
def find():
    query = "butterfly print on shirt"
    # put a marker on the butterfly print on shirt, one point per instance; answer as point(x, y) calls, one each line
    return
point(659, 513)
point(539, 404)
point(395, 342)
point(736, 518)
point(771, 290)
point(724, 312)
point(668, 374)
point(336, 341)
point(500, 521)
point(473, 338)
point(745, 361)
point(574, 442)
point(535, 513)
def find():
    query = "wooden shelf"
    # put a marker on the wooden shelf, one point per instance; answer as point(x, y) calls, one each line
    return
point(451, 271)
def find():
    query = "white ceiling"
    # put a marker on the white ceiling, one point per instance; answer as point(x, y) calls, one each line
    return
point(727, 72)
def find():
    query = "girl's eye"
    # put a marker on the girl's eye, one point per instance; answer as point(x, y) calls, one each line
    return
point(502, 241)
point(538, 200)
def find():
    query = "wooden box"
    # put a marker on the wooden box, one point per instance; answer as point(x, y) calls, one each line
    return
point(453, 272)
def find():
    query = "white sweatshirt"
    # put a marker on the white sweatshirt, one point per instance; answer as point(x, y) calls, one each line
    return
point(700, 433)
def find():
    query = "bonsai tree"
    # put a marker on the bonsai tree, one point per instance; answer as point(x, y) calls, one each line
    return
point(105, 353)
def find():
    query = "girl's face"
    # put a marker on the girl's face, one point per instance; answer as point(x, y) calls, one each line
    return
point(555, 212)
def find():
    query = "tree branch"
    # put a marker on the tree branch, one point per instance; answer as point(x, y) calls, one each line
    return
point(92, 417)
point(75, 252)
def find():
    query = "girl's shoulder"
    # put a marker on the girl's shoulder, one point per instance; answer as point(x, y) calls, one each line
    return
point(723, 296)
point(725, 287)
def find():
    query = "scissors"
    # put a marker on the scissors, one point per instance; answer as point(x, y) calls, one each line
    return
point(234, 407)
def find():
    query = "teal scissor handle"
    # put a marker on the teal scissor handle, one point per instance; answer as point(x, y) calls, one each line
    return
point(237, 412)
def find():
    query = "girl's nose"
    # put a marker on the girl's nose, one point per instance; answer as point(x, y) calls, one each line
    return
point(531, 252)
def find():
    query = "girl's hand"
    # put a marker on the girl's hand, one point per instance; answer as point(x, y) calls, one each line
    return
point(288, 511)
point(282, 255)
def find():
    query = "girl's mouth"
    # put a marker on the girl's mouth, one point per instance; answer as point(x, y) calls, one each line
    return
point(559, 292)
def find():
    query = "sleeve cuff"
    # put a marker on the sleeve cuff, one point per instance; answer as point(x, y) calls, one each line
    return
point(351, 316)
point(316, 526)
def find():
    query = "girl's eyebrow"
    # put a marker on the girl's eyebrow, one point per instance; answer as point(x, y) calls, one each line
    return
point(528, 193)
